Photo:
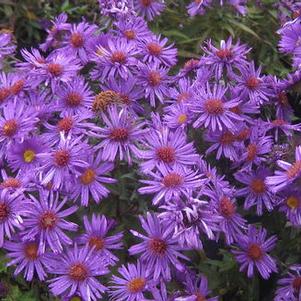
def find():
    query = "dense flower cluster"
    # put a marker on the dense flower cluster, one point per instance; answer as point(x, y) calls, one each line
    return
point(88, 102)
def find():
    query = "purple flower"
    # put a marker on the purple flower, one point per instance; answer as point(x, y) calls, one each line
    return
point(119, 135)
point(154, 50)
point(197, 7)
point(177, 116)
point(77, 43)
point(182, 92)
point(197, 289)
point(213, 111)
point(166, 147)
point(63, 161)
point(189, 220)
point(290, 286)
point(56, 31)
point(284, 126)
point(159, 250)
point(46, 222)
point(167, 183)
point(132, 284)
point(74, 97)
point(290, 37)
point(251, 85)
point(26, 257)
point(290, 204)
point(115, 59)
point(290, 172)
point(20, 182)
point(12, 207)
point(96, 237)
point(257, 192)
point(225, 58)
point(154, 80)
point(253, 253)
point(149, 9)
point(23, 156)
point(6, 45)
point(76, 270)
point(90, 181)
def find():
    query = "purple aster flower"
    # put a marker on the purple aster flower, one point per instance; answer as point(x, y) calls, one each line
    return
point(154, 80)
point(290, 37)
point(178, 115)
point(290, 286)
point(117, 58)
point(189, 68)
point(257, 192)
point(159, 250)
point(33, 60)
point(76, 270)
point(40, 102)
point(63, 161)
point(251, 85)
point(166, 147)
point(77, 43)
point(18, 183)
point(167, 183)
point(74, 97)
point(190, 220)
point(198, 7)
point(253, 252)
point(290, 172)
point(283, 125)
point(290, 204)
point(46, 222)
point(119, 135)
point(91, 179)
point(231, 223)
point(213, 110)
point(196, 288)
point(26, 257)
point(132, 28)
point(16, 122)
point(96, 236)
point(155, 50)
point(149, 9)
point(23, 156)
point(115, 8)
point(131, 284)
point(225, 58)
point(12, 207)
point(56, 31)
point(182, 92)
point(6, 45)
point(225, 143)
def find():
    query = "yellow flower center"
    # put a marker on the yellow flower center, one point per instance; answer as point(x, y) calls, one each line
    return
point(292, 202)
point(29, 155)
point(182, 118)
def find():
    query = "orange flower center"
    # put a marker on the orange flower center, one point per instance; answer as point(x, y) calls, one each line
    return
point(166, 154)
point(78, 272)
point(227, 138)
point(255, 252)
point(55, 69)
point(251, 152)
point(10, 128)
point(65, 124)
point(184, 96)
point(77, 40)
point(73, 99)
point(48, 220)
point(292, 202)
point(279, 122)
point(96, 242)
point(258, 186)
point(17, 87)
point(61, 157)
point(11, 183)
point(227, 208)
point(4, 92)
point(130, 34)
point(88, 176)
point(158, 246)
point(154, 78)
point(294, 170)
point(200, 297)
point(282, 99)
point(252, 82)
point(154, 48)
point(103, 100)
point(297, 284)
point(119, 134)
point(136, 285)
point(172, 180)
point(118, 57)
point(4, 212)
point(31, 251)
point(146, 2)
point(182, 118)
point(224, 53)
point(190, 64)
point(214, 106)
